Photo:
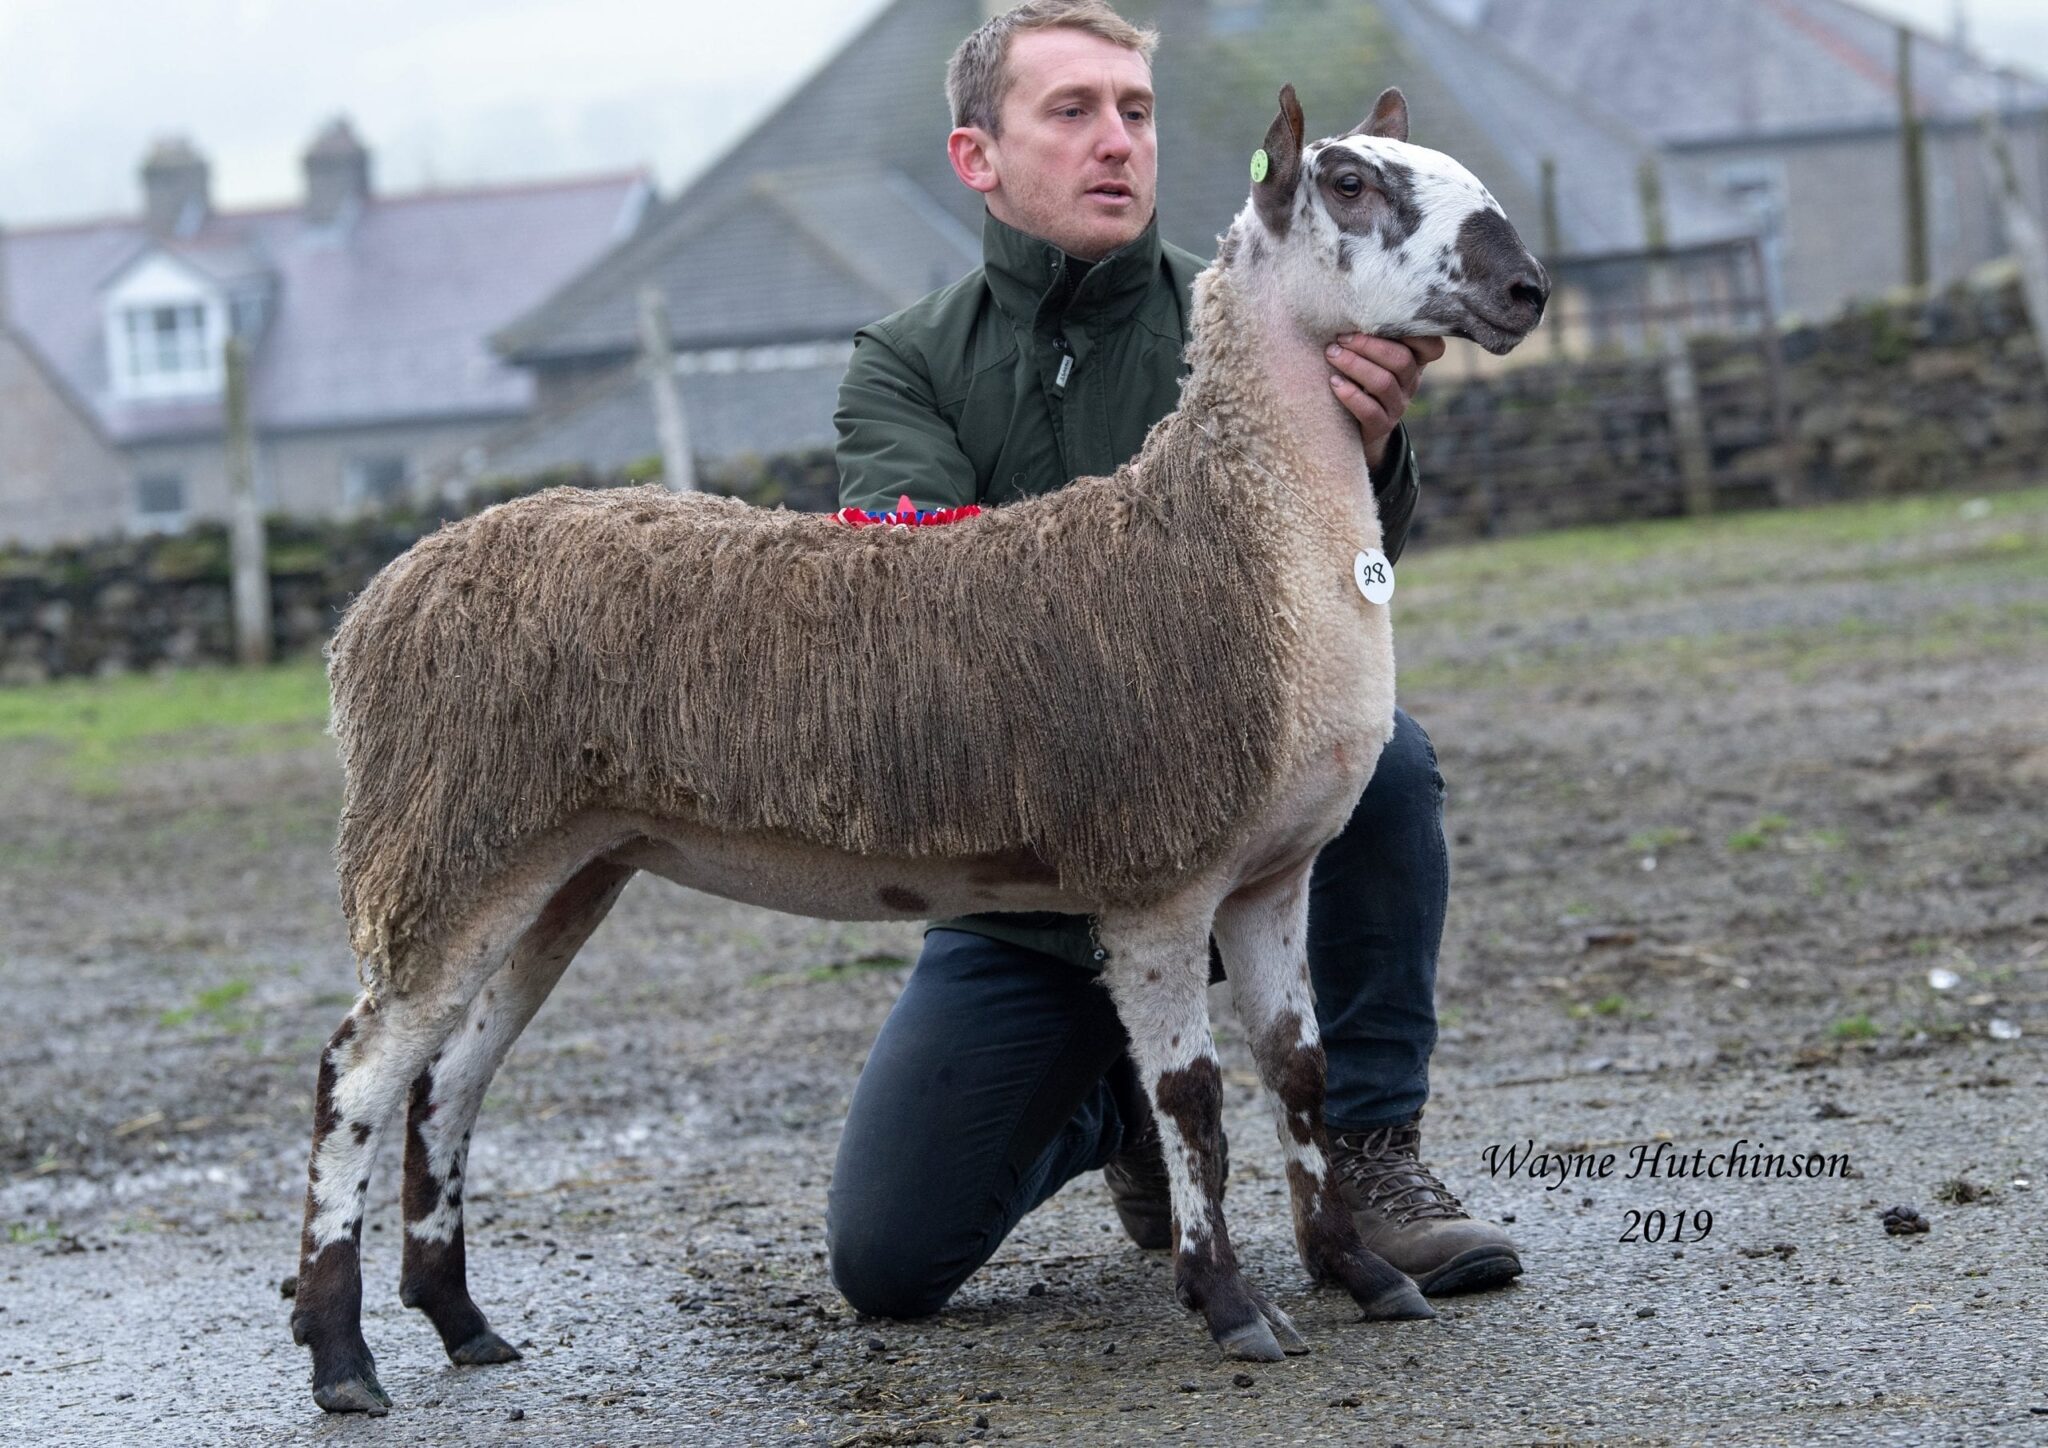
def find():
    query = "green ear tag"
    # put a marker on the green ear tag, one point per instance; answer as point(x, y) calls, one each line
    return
point(1260, 165)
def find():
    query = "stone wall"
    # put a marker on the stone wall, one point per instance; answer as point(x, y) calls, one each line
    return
point(134, 603)
point(1945, 392)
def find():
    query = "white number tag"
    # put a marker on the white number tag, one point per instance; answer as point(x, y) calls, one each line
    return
point(1374, 575)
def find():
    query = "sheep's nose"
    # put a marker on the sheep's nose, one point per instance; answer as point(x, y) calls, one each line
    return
point(1531, 289)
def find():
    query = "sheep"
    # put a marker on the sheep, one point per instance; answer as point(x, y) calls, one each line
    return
point(1150, 698)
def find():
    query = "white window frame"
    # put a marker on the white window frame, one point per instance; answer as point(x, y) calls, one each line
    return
point(139, 367)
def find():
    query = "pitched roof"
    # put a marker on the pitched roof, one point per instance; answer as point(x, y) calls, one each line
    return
point(879, 102)
point(751, 250)
point(789, 256)
point(385, 319)
point(1688, 74)
point(1520, 114)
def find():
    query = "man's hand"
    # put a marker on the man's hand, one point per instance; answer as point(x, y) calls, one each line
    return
point(1375, 379)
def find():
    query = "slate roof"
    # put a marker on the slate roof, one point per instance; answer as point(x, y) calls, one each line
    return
point(1521, 113)
point(787, 256)
point(754, 251)
point(879, 102)
point(384, 320)
point(730, 414)
point(1694, 73)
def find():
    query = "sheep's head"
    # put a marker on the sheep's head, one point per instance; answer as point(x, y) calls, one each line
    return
point(1366, 232)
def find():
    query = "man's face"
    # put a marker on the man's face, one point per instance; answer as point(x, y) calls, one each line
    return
point(1077, 161)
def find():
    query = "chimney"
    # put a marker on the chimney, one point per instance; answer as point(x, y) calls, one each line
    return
point(337, 175)
point(174, 188)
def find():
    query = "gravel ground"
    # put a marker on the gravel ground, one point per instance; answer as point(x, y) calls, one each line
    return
point(1725, 801)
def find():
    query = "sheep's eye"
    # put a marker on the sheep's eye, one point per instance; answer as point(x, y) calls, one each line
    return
point(1349, 185)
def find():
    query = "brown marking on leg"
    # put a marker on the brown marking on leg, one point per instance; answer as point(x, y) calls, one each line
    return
point(1324, 1232)
point(434, 1276)
point(327, 1306)
point(896, 897)
point(1206, 1276)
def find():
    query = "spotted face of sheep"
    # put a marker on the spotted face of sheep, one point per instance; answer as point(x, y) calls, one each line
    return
point(1415, 245)
point(536, 703)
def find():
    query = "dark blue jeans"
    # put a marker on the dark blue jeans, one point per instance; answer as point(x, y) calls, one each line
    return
point(991, 1084)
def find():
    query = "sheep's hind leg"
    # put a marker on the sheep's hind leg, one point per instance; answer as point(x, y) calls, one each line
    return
point(447, 1095)
point(1159, 978)
point(364, 1069)
point(1263, 934)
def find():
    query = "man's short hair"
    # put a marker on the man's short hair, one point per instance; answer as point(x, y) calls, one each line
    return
point(977, 77)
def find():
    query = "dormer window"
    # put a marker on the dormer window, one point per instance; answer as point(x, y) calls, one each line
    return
point(166, 324)
point(167, 348)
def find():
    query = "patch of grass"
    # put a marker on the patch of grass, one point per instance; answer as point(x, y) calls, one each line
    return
point(1859, 1027)
point(1649, 842)
point(1608, 1006)
point(1762, 832)
point(874, 960)
point(99, 725)
point(218, 1005)
point(20, 1234)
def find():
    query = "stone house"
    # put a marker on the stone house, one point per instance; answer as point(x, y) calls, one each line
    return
point(47, 432)
point(1788, 110)
point(773, 257)
point(1767, 118)
point(366, 317)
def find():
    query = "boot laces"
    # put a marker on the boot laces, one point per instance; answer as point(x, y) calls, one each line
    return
point(1385, 1165)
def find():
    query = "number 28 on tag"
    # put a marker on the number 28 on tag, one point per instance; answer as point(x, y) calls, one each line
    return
point(1374, 575)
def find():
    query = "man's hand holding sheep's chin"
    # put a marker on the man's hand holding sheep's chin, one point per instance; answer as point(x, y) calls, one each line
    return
point(1375, 378)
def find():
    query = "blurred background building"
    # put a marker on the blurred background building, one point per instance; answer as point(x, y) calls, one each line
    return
point(367, 320)
point(1716, 165)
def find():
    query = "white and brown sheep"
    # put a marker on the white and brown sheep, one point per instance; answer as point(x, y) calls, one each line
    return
point(1150, 698)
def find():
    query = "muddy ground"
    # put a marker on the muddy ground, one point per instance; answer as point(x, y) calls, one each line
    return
point(1724, 801)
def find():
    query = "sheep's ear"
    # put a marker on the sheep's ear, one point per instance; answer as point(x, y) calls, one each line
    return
point(1273, 192)
point(1389, 118)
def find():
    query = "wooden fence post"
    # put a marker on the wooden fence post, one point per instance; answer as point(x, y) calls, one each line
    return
point(1681, 384)
point(2022, 229)
point(250, 569)
point(1553, 245)
point(1913, 167)
point(677, 468)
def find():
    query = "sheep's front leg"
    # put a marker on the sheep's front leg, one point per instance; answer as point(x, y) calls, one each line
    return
point(1263, 934)
point(1158, 973)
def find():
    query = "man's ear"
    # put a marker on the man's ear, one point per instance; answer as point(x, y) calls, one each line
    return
point(972, 152)
point(1273, 194)
point(1389, 118)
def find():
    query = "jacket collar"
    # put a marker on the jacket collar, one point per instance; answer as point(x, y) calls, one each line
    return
point(1036, 283)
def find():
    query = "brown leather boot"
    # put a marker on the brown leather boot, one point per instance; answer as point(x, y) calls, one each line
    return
point(1138, 1184)
point(1410, 1218)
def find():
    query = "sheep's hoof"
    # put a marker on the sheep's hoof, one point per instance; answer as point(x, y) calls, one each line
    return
point(1403, 1302)
point(486, 1347)
point(1284, 1331)
point(1253, 1343)
point(359, 1394)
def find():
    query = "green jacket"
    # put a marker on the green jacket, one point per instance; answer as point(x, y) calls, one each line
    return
point(1029, 372)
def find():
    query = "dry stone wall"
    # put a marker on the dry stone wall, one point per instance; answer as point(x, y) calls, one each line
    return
point(1940, 393)
point(1943, 392)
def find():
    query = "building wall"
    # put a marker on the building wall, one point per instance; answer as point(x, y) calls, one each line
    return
point(307, 474)
point(1843, 231)
point(58, 480)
